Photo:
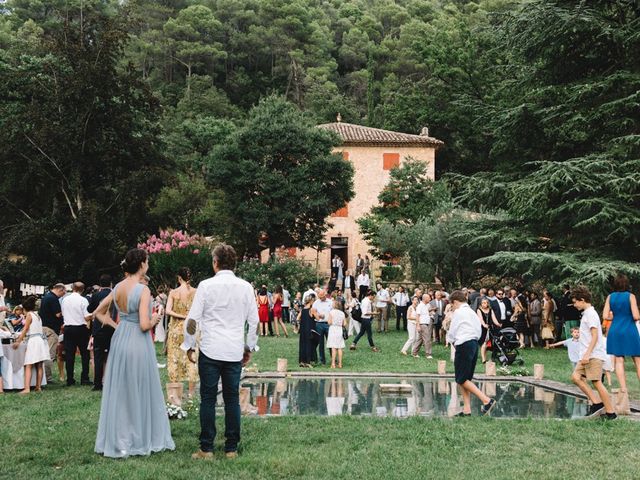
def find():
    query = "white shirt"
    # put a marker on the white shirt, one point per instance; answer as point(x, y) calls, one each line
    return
point(503, 310)
point(382, 298)
point(74, 310)
point(347, 283)
point(590, 319)
point(401, 299)
point(323, 307)
point(366, 308)
point(465, 326)
point(423, 314)
point(286, 298)
point(363, 279)
point(573, 349)
point(221, 307)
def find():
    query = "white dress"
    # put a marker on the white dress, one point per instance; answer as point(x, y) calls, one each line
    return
point(335, 339)
point(37, 348)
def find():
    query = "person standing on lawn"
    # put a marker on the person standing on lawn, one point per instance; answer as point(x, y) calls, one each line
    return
point(593, 354)
point(223, 305)
point(464, 333)
point(365, 321)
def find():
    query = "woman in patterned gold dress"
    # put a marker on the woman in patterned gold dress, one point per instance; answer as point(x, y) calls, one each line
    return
point(179, 368)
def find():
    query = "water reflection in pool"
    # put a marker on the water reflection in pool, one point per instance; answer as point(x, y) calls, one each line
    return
point(427, 397)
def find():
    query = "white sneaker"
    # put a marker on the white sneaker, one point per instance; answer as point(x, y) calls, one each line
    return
point(429, 356)
point(161, 365)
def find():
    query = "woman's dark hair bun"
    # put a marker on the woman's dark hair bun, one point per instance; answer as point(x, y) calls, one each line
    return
point(184, 273)
point(133, 259)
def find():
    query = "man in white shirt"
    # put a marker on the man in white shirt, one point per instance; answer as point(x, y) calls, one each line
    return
point(463, 334)
point(383, 299)
point(365, 321)
point(311, 290)
point(320, 311)
point(363, 285)
point(222, 306)
point(3, 306)
point(286, 305)
point(76, 333)
point(401, 301)
point(592, 356)
point(424, 317)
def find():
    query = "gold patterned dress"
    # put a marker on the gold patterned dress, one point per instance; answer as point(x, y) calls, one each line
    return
point(179, 368)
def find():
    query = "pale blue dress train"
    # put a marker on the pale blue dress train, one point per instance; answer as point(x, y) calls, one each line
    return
point(133, 416)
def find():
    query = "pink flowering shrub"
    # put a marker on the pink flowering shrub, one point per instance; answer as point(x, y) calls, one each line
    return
point(172, 249)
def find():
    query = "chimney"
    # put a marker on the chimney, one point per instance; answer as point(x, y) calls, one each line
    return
point(424, 132)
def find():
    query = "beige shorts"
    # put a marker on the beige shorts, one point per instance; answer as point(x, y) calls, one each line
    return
point(592, 371)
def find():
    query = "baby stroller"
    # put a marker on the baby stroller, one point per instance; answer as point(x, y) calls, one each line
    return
point(504, 346)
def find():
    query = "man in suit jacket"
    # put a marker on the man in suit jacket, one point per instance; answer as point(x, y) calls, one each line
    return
point(438, 305)
point(501, 306)
point(349, 281)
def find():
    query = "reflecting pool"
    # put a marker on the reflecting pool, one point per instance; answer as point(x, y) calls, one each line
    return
point(425, 397)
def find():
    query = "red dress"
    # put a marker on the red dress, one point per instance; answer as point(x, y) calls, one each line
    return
point(277, 308)
point(263, 310)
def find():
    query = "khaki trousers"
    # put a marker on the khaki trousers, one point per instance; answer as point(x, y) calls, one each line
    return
point(423, 337)
point(52, 341)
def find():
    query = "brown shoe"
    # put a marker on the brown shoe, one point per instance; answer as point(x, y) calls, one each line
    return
point(200, 455)
point(375, 349)
point(231, 455)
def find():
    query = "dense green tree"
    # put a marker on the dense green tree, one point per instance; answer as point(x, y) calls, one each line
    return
point(279, 173)
point(80, 156)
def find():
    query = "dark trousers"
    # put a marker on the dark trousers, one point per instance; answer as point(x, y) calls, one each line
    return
point(437, 326)
point(286, 317)
point(270, 324)
point(323, 330)
point(210, 373)
point(559, 327)
point(363, 292)
point(101, 345)
point(365, 327)
point(401, 314)
point(76, 337)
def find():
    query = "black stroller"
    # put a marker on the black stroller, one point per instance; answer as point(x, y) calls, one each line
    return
point(504, 346)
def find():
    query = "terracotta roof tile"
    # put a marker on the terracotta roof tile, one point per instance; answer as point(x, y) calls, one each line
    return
point(360, 135)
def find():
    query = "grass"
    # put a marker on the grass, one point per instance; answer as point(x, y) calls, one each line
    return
point(52, 434)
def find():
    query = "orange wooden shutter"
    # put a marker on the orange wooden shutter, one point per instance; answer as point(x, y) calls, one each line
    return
point(390, 160)
point(342, 212)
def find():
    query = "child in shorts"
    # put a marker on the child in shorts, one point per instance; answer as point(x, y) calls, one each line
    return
point(592, 356)
point(573, 346)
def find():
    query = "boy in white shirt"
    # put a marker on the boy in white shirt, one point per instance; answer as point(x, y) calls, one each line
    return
point(592, 356)
point(464, 333)
point(573, 346)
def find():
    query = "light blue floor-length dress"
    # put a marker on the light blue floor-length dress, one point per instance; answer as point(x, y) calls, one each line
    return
point(133, 416)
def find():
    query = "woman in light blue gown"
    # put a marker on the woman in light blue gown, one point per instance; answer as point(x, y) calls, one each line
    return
point(133, 416)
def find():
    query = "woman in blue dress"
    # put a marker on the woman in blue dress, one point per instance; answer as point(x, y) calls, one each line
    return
point(133, 416)
point(623, 339)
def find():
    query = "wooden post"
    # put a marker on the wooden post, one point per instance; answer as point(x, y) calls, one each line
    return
point(490, 369)
point(442, 367)
point(174, 393)
point(538, 371)
point(282, 365)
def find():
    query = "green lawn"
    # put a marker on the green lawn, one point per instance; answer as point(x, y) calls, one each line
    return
point(51, 435)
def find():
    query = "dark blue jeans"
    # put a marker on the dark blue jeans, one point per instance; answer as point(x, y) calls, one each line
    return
point(210, 372)
point(365, 327)
point(323, 329)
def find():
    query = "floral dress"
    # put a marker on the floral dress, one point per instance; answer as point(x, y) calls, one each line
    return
point(179, 368)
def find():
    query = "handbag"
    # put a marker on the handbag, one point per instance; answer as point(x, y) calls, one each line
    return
point(345, 333)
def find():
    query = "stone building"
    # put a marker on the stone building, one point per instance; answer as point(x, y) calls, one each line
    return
point(373, 152)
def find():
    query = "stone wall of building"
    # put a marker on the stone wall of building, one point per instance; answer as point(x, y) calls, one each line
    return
point(369, 179)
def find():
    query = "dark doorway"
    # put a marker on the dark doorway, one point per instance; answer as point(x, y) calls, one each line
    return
point(340, 247)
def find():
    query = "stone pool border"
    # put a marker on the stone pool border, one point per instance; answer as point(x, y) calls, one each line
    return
point(552, 385)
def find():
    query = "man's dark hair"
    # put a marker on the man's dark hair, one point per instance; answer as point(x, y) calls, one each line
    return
point(225, 256)
point(105, 280)
point(457, 296)
point(370, 292)
point(581, 293)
